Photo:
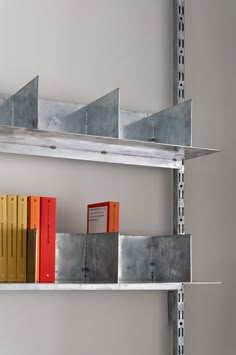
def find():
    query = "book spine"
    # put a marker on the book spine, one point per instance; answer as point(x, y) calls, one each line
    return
point(47, 239)
point(21, 238)
point(3, 238)
point(32, 249)
point(113, 219)
point(34, 223)
point(11, 237)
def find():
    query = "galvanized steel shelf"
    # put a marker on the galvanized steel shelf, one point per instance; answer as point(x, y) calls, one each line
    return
point(98, 287)
point(92, 148)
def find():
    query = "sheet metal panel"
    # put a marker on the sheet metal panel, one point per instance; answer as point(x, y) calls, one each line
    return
point(70, 257)
point(21, 109)
point(102, 258)
point(87, 258)
point(170, 126)
point(155, 259)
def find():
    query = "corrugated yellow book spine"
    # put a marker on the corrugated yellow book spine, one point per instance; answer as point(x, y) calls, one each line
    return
point(3, 238)
point(11, 237)
point(21, 238)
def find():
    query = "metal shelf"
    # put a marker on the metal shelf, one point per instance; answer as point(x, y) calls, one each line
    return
point(92, 148)
point(98, 287)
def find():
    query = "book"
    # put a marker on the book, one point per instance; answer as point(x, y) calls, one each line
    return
point(34, 223)
point(103, 217)
point(3, 238)
point(21, 238)
point(32, 250)
point(47, 239)
point(11, 237)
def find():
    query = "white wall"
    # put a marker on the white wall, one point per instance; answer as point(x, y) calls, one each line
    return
point(81, 50)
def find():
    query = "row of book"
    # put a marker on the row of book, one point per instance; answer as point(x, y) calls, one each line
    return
point(18, 214)
point(28, 235)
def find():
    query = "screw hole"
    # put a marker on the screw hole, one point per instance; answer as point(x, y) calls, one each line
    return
point(53, 147)
point(103, 152)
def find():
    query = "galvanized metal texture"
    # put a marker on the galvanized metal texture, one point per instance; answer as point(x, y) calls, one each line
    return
point(128, 118)
point(170, 126)
point(21, 109)
point(99, 118)
point(102, 258)
point(155, 259)
point(51, 116)
point(61, 286)
point(70, 257)
point(89, 287)
point(82, 147)
point(87, 258)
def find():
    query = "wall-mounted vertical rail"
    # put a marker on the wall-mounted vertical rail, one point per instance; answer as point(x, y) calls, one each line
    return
point(176, 298)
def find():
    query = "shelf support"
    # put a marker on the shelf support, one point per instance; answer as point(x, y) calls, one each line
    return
point(176, 298)
point(176, 320)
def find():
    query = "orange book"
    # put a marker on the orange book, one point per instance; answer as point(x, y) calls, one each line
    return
point(47, 239)
point(103, 217)
point(34, 223)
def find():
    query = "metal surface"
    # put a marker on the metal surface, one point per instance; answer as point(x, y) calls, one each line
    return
point(51, 114)
point(87, 258)
point(21, 109)
point(70, 257)
point(99, 118)
point(176, 320)
point(177, 297)
point(99, 287)
point(128, 118)
point(82, 147)
point(178, 201)
point(89, 287)
point(155, 259)
point(178, 51)
point(102, 258)
point(170, 126)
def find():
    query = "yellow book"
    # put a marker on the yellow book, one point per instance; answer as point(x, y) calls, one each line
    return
point(21, 238)
point(11, 237)
point(3, 238)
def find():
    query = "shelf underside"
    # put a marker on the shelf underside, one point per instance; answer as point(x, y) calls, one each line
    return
point(92, 148)
point(100, 287)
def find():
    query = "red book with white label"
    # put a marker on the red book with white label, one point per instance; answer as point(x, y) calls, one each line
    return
point(103, 217)
point(47, 239)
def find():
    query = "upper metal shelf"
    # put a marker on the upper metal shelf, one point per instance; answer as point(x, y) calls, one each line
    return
point(102, 149)
point(99, 131)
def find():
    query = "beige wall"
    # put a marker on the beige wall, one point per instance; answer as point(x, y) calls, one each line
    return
point(81, 50)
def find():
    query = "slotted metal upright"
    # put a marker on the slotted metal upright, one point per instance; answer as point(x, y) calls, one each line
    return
point(176, 298)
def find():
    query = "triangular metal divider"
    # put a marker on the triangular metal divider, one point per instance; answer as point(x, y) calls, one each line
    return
point(170, 126)
point(21, 109)
point(99, 118)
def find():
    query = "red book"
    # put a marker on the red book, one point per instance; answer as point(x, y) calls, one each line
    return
point(103, 217)
point(47, 239)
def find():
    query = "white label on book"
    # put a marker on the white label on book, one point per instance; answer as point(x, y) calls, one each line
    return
point(97, 220)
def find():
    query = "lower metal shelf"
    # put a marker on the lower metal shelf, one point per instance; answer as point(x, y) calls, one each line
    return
point(100, 287)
